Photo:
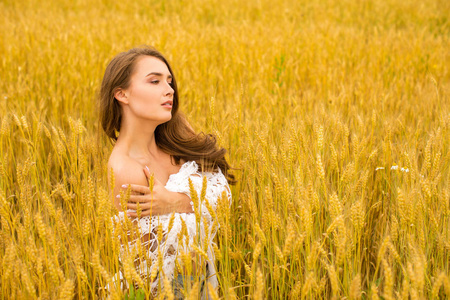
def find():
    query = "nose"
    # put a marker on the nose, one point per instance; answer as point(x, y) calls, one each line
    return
point(170, 90)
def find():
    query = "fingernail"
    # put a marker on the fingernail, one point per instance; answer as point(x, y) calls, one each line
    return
point(147, 169)
point(124, 185)
point(118, 196)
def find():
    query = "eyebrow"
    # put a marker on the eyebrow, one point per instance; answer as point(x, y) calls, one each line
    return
point(158, 74)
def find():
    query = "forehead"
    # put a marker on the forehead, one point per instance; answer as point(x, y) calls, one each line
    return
point(149, 64)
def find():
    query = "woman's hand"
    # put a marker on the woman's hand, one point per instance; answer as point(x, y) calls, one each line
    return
point(159, 202)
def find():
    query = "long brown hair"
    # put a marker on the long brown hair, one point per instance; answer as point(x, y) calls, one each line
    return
point(174, 137)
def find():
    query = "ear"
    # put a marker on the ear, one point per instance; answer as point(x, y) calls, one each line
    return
point(121, 95)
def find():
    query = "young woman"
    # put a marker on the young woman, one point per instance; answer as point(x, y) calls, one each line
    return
point(139, 113)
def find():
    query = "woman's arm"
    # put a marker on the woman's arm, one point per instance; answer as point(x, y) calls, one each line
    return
point(161, 201)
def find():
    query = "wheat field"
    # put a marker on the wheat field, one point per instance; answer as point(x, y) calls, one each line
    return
point(335, 116)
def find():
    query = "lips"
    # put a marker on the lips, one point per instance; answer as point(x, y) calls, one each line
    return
point(168, 103)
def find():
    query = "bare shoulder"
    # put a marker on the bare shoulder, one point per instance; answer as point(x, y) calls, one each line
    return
point(126, 171)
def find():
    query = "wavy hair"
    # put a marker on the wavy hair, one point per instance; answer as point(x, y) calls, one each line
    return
point(174, 137)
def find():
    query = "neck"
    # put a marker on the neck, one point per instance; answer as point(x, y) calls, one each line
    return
point(137, 138)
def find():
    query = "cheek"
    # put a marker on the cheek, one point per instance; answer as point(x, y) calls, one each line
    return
point(142, 93)
point(143, 108)
point(145, 103)
point(143, 98)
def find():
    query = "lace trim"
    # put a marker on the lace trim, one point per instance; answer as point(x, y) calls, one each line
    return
point(179, 182)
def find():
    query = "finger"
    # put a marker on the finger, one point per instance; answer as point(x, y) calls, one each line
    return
point(145, 206)
point(147, 172)
point(132, 214)
point(149, 175)
point(137, 188)
point(139, 198)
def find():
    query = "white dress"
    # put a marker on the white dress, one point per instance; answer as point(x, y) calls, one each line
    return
point(170, 246)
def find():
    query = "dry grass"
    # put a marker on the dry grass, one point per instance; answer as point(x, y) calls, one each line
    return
point(315, 101)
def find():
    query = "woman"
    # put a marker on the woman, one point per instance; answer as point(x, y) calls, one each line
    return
point(153, 142)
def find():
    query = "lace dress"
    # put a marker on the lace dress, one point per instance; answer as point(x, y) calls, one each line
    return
point(170, 245)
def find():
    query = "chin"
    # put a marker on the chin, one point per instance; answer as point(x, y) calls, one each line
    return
point(165, 120)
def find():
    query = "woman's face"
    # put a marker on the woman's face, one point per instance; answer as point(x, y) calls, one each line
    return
point(150, 94)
